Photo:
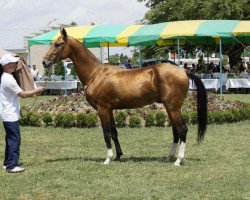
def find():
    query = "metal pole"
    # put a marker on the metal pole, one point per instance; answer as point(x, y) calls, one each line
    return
point(220, 66)
point(108, 52)
point(140, 63)
point(178, 42)
point(29, 57)
point(100, 52)
point(65, 71)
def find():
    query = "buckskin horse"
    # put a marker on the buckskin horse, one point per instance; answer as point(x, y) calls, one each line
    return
point(109, 87)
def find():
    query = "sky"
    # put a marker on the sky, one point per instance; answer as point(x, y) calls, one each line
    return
point(21, 18)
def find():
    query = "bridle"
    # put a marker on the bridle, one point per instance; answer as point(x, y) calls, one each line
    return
point(55, 57)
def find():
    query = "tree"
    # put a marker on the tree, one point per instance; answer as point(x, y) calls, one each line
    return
point(114, 59)
point(175, 10)
point(59, 69)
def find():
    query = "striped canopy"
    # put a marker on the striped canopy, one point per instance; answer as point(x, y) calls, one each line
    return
point(193, 31)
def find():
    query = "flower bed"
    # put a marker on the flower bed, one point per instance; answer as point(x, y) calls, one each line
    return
point(74, 110)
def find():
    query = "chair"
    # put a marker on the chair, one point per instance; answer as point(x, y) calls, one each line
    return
point(244, 75)
point(45, 78)
point(56, 78)
point(69, 78)
point(216, 75)
point(206, 76)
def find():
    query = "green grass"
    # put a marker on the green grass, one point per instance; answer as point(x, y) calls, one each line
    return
point(67, 164)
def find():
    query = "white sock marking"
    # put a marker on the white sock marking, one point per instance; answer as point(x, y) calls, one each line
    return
point(109, 156)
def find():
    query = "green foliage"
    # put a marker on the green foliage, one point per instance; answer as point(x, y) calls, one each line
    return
point(24, 120)
point(34, 119)
point(114, 59)
point(68, 120)
point(120, 119)
point(91, 120)
point(81, 120)
point(134, 122)
point(160, 118)
point(47, 118)
point(172, 10)
point(73, 71)
point(58, 119)
point(149, 120)
point(123, 58)
point(59, 69)
point(30, 118)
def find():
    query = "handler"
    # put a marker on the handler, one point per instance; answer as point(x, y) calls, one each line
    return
point(10, 112)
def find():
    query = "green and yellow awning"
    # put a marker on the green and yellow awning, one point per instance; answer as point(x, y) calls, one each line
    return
point(192, 31)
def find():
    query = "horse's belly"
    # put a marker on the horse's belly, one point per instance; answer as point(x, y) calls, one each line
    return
point(133, 100)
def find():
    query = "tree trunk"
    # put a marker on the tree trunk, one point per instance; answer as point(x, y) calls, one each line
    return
point(234, 53)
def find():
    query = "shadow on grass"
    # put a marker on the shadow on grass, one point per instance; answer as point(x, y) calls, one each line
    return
point(126, 159)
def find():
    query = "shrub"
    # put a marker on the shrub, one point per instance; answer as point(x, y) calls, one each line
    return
point(58, 119)
point(34, 119)
point(24, 120)
point(149, 120)
point(134, 122)
point(47, 118)
point(68, 120)
point(81, 120)
point(120, 119)
point(160, 119)
point(91, 120)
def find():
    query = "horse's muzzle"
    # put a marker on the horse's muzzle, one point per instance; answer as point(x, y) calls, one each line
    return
point(47, 63)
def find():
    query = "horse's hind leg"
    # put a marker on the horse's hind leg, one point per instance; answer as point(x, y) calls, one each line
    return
point(114, 135)
point(173, 148)
point(104, 115)
point(180, 133)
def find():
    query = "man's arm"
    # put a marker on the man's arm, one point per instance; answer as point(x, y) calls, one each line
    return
point(30, 93)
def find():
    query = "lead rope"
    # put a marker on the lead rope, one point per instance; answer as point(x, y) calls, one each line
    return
point(49, 75)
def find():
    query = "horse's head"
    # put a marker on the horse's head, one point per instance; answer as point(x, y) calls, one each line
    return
point(57, 50)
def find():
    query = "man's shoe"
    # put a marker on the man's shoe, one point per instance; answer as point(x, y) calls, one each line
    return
point(16, 169)
point(4, 167)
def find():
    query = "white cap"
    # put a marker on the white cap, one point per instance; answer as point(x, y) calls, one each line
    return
point(7, 58)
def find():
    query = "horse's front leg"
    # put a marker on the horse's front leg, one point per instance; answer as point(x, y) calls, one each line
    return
point(104, 115)
point(114, 135)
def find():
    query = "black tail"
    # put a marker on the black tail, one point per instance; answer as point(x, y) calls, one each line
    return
point(201, 105)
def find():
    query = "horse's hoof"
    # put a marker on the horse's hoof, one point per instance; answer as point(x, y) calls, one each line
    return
point(107, 161)
point(117, 158)
point(178, 162)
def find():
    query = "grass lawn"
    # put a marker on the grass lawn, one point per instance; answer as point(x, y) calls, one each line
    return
point(67, 164)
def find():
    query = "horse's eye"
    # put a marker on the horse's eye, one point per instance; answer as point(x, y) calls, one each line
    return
point(57, 44)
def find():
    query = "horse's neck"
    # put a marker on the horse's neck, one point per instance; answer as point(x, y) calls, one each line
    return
point(86, 65)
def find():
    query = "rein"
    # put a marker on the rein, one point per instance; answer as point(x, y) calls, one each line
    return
point(91, 80)
point(49, 74)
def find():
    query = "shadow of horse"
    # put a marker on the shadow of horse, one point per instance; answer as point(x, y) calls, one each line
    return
point(139, 159)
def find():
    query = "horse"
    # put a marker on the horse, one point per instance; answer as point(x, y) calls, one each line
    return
point(109, 87)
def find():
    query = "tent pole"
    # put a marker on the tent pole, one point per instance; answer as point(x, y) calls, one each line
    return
point(140, 61)
point(65, 74)
point(29, 57)
point(108, 52)
point(178, 41)
point(100, 52)
point(220, 66)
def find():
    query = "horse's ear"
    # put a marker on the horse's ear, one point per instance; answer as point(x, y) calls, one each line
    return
point(63, 33)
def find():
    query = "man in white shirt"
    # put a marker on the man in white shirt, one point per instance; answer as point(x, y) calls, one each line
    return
point(34, 72)
point(10, 112)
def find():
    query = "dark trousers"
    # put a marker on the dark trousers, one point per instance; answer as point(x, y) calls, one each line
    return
point(13, 141)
